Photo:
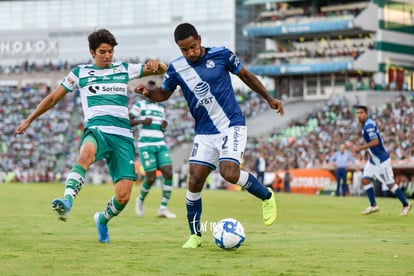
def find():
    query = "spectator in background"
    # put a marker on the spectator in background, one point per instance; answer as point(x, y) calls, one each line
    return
point(260, 167)
point(286, 180)
point(356, 182)
point(183, 175)
point(342, 159)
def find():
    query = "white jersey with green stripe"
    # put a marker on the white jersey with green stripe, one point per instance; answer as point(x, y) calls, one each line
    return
point(153, 134)
point(103, 93)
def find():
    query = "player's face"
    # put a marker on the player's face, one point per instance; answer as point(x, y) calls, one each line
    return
point(103, 55)
point(191, 48)
point(361, 115)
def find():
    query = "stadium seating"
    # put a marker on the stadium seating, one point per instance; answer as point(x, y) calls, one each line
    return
point(48, 149)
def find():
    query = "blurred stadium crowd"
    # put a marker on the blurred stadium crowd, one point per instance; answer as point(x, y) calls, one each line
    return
point(318, 136)
point(48, 149)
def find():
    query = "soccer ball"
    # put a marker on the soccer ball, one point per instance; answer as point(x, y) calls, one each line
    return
point(228, 233)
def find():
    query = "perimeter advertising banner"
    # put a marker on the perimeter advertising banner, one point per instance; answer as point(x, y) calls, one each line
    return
point(305, 181)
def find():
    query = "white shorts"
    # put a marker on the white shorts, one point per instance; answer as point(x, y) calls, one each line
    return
point(382, 172)
point(210, 149)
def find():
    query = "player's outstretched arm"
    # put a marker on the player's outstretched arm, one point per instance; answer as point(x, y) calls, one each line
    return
point(47, 103)
point(156, 94)
point(256, 85)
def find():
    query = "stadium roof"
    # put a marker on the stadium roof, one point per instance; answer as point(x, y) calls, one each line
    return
point(257, 2)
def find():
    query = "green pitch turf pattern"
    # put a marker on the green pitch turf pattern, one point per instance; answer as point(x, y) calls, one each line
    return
point(313, 235)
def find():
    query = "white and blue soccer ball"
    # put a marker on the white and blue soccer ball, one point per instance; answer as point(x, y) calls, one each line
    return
point(229, 233)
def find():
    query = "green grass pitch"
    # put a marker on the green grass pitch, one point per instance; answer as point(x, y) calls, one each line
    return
point(313, 235)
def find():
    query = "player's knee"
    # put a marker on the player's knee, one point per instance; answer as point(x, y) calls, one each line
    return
point(167, 175)
point(123, 198)
point(230, 175)
point(365, 181)
point(195, 186)
point(150, 179)
point(123, 190)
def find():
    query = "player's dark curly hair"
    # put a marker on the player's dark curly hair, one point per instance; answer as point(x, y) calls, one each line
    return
point(101, 36)
point(363, 107)
point(183, 31)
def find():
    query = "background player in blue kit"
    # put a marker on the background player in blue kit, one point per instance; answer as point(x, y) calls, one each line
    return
point(379, 164)
point(220, 127)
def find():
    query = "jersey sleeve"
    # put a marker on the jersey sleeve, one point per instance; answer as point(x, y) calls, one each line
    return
point(135, 70)
point(163, 112)
point(233, 64)
point(371, 132)
point(135, 110)
point(170, 79)
point(71, 81)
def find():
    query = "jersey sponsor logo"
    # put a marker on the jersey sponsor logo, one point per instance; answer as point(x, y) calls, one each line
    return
point(235, 60)
point(372, 135)
point(91, 73)
point(119, 78)
point(202, 90)
point(95, 89)
point(236, 138)
point(210, 64)
point(113, 89)
point(204, 101)
point(92, 79)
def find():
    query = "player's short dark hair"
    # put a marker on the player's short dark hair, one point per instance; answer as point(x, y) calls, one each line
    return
point(183, 31)
point(101, 36)
point(363, 107)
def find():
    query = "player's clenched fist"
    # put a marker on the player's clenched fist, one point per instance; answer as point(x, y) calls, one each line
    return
point(141, 89)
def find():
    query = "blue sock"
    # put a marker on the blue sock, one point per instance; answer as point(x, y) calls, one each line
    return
point(399, 194)
point(256, 188)
point(194, 208)
point(369, 189)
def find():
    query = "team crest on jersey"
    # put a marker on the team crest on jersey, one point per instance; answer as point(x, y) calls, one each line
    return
point(69, 80)
point(210, 64)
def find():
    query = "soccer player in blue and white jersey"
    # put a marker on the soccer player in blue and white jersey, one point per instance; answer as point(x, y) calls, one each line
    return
point(378, 165)
point(103, 88)
point(220, 127)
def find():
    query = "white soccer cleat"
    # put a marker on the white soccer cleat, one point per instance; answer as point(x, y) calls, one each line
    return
point(165, 213)
point(139, 207)
point(406, 209)
point(370, 210)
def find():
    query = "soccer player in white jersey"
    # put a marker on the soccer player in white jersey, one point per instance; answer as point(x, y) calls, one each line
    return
point(153, 152)
point(379, 164)
point(103, 88)
point(203, 75)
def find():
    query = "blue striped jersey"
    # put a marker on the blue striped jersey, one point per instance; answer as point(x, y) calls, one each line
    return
point(207, 87)
point(378, 154)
